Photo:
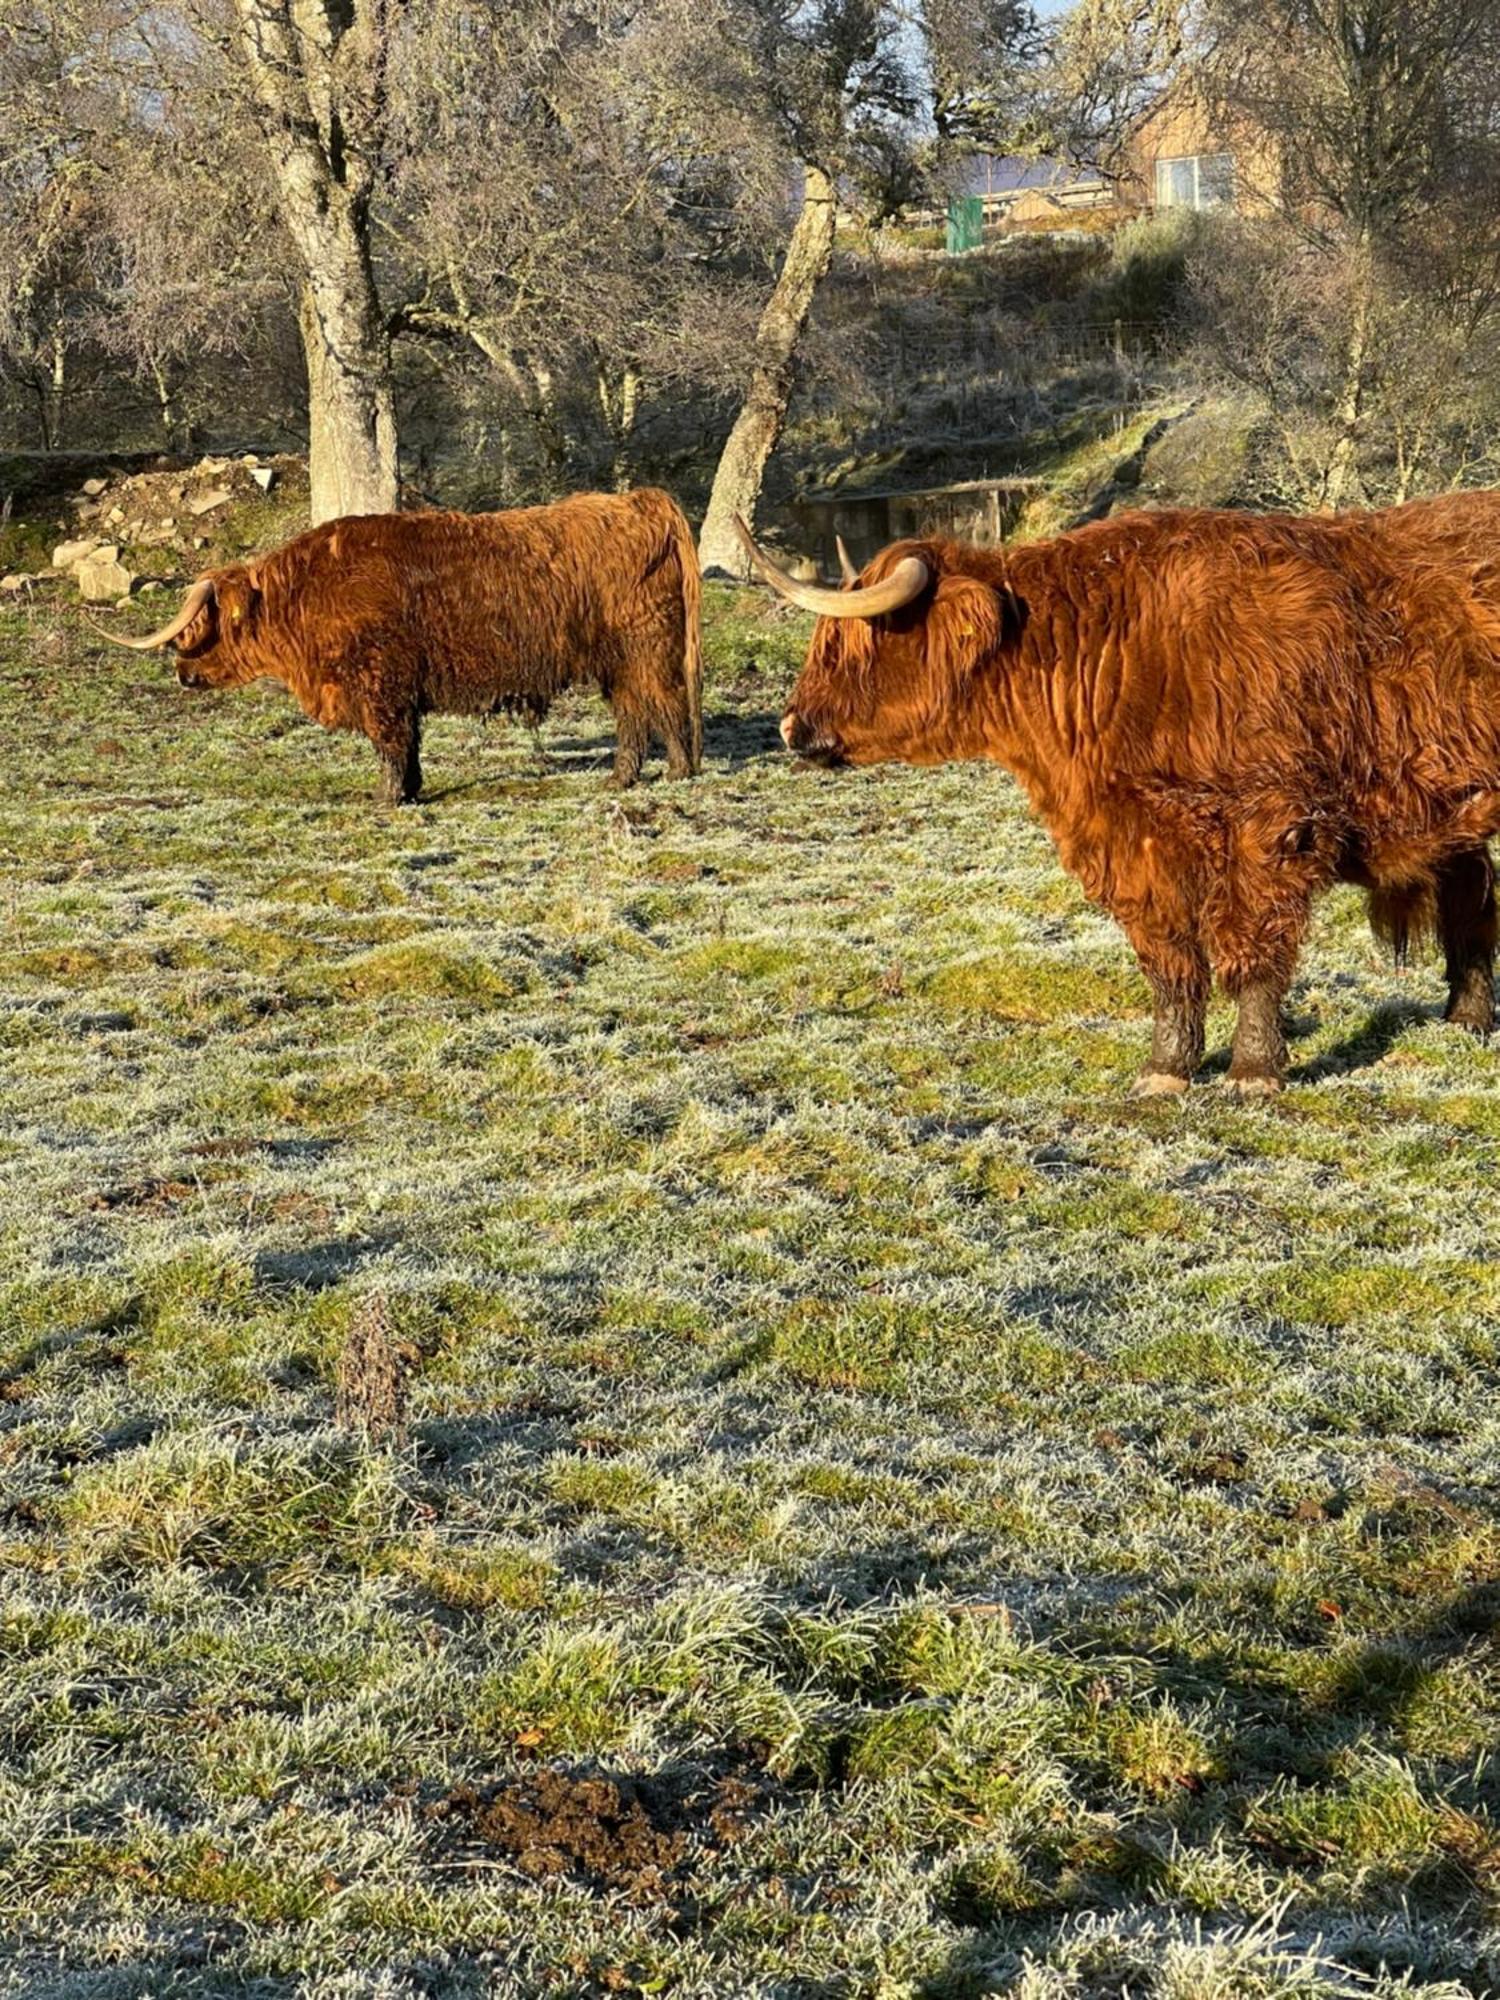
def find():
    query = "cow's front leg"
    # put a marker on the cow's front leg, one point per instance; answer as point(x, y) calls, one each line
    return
point(1179, 1001)
point(1255, 920)
point(1257, 1057)
point(1158, 911)
point(1466, 919)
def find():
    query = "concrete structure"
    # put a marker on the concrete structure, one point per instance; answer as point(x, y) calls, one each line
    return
point(974, 510)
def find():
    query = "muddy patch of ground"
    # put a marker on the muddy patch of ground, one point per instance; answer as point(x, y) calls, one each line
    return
point(639, 1836)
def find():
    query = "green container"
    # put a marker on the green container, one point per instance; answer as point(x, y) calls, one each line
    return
point(965, 223)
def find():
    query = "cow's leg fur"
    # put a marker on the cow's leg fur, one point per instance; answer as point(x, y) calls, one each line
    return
point(1176, 1038)
point(1256, 975)
point(632, 735)
point(1177, 972)
point(677, 731)
point(1467, 923)
point(1257, 1059)
point(398, 745)
point(1256, 917)
point(1157, 907)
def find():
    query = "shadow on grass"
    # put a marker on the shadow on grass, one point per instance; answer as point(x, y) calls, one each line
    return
point(1273, 1732)
point(318, 1266)
point(1362, 1048)
point(106, 1328)
point(1369, 1043)
point(740, 740)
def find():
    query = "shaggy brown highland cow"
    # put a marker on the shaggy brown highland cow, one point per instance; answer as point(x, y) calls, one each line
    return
point(374, 621)
point(1216, 715)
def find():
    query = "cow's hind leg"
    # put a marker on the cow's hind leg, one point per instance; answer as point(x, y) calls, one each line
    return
point(411, 777)
point(398, 745)
point(1467, 924)
point(632, 735)
point(677, 732)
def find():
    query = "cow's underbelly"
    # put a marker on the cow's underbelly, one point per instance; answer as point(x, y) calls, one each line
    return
point(525, 687)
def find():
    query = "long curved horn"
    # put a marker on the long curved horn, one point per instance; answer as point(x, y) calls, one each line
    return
point(907, 580)
point(200, 594)
point(846, 562)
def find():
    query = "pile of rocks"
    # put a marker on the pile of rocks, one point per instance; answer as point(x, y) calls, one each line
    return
point(171, 507)
point(96, 568)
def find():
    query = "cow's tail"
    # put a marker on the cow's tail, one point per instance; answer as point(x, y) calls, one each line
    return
point(681, 543)
point(692, 625)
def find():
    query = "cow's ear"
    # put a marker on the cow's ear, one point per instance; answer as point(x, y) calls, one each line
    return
point(239, 597)
point(963, 627)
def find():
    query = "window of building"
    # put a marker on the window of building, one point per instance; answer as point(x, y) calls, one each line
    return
point(1202, 180)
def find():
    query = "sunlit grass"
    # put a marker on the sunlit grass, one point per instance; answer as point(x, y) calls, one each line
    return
point(1072, 1520)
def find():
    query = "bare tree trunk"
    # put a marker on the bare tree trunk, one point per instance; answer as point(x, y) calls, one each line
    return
point(58, 386)
point(50, 387)
point(351, 419)
point(317, 73)
point(166, 402)
point(534, 391)
point(1349, 416)
point(742, 463)
point(619, 410)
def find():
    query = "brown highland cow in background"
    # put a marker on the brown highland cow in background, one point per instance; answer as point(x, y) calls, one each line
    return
point(374, 621)
point(1216, 715)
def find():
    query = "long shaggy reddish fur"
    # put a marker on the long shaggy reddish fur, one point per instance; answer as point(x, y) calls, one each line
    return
point(374, 621)
point(1215, 715)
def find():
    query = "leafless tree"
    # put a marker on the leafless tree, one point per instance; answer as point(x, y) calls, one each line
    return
point(589, 248)
point(839, 83)
point(1379, 210)
point(1100, 65)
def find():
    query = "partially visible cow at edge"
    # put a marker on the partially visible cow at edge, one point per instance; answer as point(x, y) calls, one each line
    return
point(1215, 715)
point(376, 620)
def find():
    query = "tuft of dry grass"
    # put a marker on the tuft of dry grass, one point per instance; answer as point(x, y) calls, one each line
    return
point(372, 1381)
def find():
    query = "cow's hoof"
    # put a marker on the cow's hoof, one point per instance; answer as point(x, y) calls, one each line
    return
point(1254, 1083)
point(1158, 1083)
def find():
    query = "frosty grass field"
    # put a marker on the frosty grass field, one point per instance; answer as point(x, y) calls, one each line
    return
point(876, 1511)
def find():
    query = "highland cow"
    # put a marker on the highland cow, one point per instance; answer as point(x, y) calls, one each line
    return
point(374, 621)
point(1215, 715)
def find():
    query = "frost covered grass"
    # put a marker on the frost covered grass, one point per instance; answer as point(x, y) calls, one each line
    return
point(1062, 1529)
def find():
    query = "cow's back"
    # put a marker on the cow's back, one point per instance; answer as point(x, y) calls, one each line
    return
point(485, 608)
